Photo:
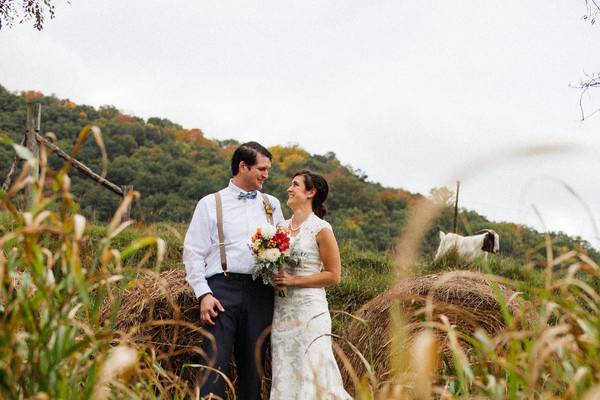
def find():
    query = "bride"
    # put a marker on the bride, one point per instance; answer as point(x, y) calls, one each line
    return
point(303, 363)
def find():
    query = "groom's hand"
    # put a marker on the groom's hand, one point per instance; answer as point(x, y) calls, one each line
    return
point(208, 303)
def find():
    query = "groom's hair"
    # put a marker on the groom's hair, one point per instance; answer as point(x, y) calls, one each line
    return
point(247, 153)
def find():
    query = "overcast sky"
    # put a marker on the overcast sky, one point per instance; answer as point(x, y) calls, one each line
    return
point(416, 94)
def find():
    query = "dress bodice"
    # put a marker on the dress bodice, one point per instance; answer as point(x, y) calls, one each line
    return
point(305, 245)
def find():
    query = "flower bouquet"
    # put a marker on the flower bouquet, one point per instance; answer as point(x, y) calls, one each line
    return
point(271, 249)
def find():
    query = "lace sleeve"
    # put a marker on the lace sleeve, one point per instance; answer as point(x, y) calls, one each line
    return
point(320, 225)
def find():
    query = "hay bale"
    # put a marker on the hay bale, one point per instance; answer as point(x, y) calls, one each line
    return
point(161, 297)
point(154, 296)
point(468, 302)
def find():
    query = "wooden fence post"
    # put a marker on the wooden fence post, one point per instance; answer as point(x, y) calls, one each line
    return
point(456, 207)
point(34, 118)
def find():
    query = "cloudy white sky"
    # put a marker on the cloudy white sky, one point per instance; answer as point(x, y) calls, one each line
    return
point(415, 93)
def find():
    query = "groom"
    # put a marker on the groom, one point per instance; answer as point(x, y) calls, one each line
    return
point(234, 308)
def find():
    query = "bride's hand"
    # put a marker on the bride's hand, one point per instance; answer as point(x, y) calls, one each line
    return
point(282, 278)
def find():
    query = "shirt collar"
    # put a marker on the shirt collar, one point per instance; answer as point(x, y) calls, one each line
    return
point(235, 190)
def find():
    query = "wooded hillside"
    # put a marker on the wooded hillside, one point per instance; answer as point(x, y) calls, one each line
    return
point(172, 167)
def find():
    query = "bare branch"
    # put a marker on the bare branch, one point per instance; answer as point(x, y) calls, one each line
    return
point(593, 81)
point(593, 11)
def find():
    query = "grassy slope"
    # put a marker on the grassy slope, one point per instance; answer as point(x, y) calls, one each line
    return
point(492, 370)
point(365, 274)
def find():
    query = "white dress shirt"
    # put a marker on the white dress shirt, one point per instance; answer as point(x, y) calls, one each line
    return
point(201, 255)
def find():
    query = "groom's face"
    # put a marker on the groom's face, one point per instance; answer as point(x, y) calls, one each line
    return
point(255, 175)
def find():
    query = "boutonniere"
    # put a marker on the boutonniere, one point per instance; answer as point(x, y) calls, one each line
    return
point(268, 208)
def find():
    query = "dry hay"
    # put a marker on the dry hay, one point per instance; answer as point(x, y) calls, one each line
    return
point(144, 314)
point(468, 302)
point(152, 296)
point(166, 297)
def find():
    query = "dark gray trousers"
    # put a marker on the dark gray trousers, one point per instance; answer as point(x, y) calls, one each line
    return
point(248, 312)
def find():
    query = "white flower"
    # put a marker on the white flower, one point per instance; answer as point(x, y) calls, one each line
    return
point(268, 231)
point(272, 254)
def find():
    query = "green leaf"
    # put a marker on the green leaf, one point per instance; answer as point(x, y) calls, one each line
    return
point(5, 139)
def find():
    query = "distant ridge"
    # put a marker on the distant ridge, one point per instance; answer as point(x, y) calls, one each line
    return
point(172, 167)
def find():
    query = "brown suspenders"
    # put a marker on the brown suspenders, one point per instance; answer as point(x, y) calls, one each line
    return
point(219, 206)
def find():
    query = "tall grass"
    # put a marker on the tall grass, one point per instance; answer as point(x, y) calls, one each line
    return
point(57, 271)
point(547, 350)
point(52, 341)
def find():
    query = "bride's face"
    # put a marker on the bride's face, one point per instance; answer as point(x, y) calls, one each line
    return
point(297, 194)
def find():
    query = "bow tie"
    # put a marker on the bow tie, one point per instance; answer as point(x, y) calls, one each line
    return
point(250, 195)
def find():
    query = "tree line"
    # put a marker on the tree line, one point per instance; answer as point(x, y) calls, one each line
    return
point(172, 167)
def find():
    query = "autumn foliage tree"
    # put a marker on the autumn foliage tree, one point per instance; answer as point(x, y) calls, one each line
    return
point(172, 167)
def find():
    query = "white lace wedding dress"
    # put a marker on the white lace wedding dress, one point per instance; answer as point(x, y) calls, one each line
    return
point(303, 363)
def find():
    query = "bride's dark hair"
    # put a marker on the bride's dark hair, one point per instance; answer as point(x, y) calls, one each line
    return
point(316, 181)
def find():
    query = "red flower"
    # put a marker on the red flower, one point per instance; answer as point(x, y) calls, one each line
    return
point(282, 240)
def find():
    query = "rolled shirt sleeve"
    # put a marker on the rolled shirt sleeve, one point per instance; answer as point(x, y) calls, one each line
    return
point(195, 249)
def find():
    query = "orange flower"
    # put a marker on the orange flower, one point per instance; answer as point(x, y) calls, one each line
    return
point(257, 235)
